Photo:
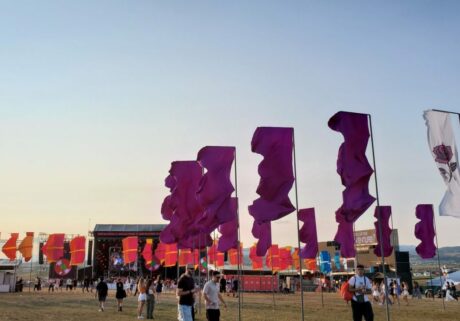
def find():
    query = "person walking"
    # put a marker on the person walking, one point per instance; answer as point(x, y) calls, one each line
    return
point(223, 284)
point(159, 288)
point(212, 297)
point(101, 293)
point(120, 294)
point(360, 286)
point(185, 290)
point(142, 298)
point(150, 291)
point(416, 293)
point(405, 293)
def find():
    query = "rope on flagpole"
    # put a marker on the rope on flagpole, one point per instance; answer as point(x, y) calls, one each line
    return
point(379, 220)
point(439, 262)
point(298, 228)
point(239, 242)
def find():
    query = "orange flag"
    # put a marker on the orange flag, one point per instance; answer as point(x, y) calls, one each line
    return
point(215, 257)
point(130, 244)
point(25, 248)
point(160, 252)
point(295, 259)
point(170, 254)
point(233, 255)
point(310, 264)
point(257, 261)
point(185, 257)
point(77, 250)
point(54, 247)
point(9, 248)
point(272, 260)
point(285, 258)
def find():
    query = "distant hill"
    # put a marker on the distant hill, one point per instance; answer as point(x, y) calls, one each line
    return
point(449, 255)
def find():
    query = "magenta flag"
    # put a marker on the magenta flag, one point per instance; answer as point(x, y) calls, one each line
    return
point(215, 188)
point(308, 233)
point(425, 231)
point(229, 238)
point(275, 144)
point(385, 213)
point(184, 181)
point(355, 172)
point(166, 208)
point(262, 232)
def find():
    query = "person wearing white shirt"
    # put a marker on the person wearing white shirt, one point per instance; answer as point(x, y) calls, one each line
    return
point(212, 296)
point(360, 285)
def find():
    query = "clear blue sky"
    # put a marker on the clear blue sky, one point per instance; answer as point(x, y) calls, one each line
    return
point(98, 97)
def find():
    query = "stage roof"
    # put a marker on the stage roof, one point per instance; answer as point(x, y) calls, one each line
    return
point(133, 228)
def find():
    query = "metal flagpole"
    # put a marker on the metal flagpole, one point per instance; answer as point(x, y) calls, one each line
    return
point(199, 273)
point(238, 249)
point(379, 221)
point(178, 266)
point(321, 289)
point(298, 228)
point(273, 288)
point(439, 261)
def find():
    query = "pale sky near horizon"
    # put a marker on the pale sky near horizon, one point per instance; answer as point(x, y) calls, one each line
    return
point(98, 98)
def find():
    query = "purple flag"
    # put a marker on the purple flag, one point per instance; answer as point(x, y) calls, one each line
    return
point(275, 144)
point(355, 172)
point(262, 232)
point(424, 231)
point(308, 234)
point(215, 189)
point(166, 208)
point(184, 180)
point(229, 231)
point(385, 213)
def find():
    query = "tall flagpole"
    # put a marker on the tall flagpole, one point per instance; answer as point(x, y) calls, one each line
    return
point(434, 220)
point(379, 221)
point(298, 228)
point(439, 261)
point(239, 241)
point(273, 289)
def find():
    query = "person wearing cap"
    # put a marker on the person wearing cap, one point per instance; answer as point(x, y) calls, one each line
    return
point(212, 296)
point(360, 285)
point(185, 291)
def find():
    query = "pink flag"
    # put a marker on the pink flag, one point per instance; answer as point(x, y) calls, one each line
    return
point(385, 213)
point(425, 231)
point(355, 172)
point(275, 144)
point(308, 234)
point(184, 181)
point(215, 190)
point(229, 231)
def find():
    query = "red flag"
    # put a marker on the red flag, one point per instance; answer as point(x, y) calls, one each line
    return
point(170, 254)
point(9, 249)
point(272, 260)
point(26, 246)
point(160, 252)
point(296, 259)
point(185, 257)
point(257, 261)
point(285, 258)
point(147, 252)
point(130, 244)
point(310, 264)
point(215, 257)
point(233, 255)
point(77, 250)
point(54, 247)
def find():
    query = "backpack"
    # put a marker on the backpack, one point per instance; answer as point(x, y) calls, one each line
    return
point(345, 292)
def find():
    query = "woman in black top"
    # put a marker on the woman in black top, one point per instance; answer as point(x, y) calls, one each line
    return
point(120, 295)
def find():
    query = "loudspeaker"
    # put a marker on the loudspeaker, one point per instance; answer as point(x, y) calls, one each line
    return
point(40, 253)
point(89, 259)
point(403, 267)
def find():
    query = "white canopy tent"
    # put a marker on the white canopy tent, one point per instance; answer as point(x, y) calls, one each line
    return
point(453, 277)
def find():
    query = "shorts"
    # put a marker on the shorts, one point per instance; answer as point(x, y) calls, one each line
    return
point(102, 298)
point(142, 297)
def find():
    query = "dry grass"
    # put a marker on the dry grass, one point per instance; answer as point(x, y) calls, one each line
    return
point(64, 306)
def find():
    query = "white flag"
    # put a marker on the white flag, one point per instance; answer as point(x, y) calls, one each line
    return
point(442, 145)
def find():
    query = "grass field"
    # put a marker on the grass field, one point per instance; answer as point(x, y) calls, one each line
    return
point(76, 306)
